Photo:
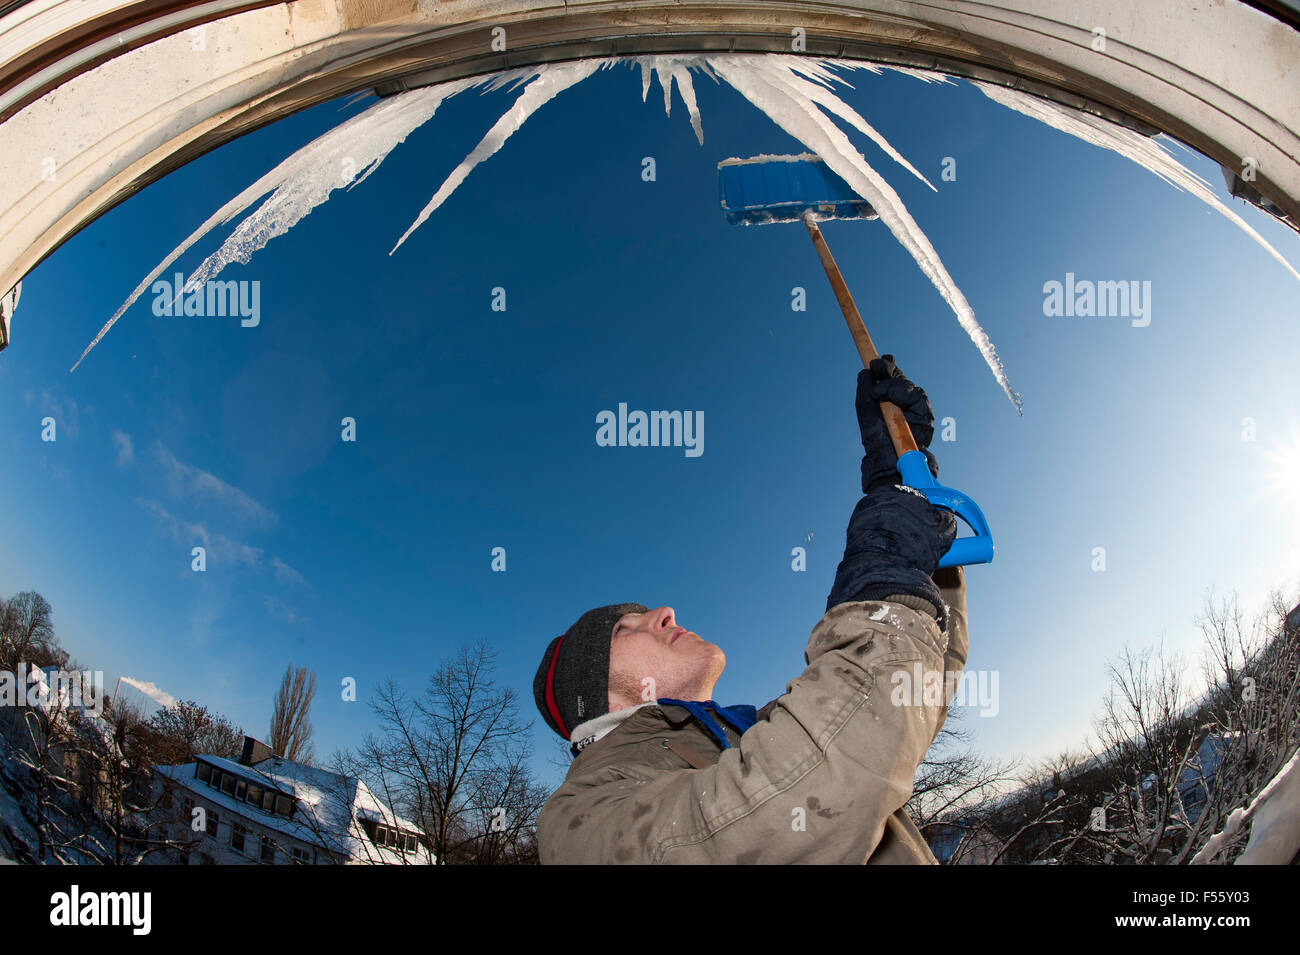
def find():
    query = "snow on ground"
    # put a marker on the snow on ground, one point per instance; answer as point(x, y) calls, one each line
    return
point(1275, 823)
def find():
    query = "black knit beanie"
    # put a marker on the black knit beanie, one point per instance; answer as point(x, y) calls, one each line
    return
point(572, 684)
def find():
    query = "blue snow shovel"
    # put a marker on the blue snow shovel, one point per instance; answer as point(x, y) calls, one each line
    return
point(769, 189)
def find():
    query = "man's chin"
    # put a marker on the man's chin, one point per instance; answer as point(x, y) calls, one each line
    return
point(718, 663)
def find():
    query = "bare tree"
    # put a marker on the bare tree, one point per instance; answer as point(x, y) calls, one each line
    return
point(508, 801)
point(178, 733)
point(49, 738)
point(127, 805)
point(953, 779)
point(454, 762)
point(1175, 761)
point(1254, 710)
point(291, 728)
point(26, 631)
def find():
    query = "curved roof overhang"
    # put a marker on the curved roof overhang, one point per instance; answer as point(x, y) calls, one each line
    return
point(99, 98)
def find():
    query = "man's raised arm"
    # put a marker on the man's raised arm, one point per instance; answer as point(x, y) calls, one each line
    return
point(816, 780)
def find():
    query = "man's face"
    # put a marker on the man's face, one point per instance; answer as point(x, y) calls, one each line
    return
point(651, 656)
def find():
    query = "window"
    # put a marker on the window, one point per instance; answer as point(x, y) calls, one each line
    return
point(255, 794)
point(212, 824)
point(215, 781)
point(268, 800)
point(283, 806)
point(395, 839)
point(241, 788)
point(268, 850)
point(203, 772)
point(237, 832)
point(228, 784)
point(300, 857)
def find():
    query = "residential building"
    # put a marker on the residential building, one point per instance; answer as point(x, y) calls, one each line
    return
point(265, 809)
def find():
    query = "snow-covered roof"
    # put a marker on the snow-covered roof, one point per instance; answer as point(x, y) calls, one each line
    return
point(327, 806)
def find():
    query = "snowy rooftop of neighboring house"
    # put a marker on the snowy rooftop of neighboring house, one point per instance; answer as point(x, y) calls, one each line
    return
point(326, 804)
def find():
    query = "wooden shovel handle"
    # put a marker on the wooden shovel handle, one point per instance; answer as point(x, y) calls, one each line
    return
point(900, 432)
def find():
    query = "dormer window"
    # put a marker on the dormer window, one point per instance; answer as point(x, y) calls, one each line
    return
point(390, 837)
point(261, 797)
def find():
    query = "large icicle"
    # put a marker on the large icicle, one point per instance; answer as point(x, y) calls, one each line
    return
point(668, 68)
point(550, 79)
point(826, 99)
point(302, 182)
point(687, 88)
point(770, 85)
point(1132, 145)
point(787, 88)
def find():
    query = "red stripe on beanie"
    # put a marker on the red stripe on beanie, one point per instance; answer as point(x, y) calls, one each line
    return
point(550, 689)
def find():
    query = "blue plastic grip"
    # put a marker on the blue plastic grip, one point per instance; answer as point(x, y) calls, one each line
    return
point(915, 472)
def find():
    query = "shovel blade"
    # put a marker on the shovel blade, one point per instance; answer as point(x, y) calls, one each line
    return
point(767, 189)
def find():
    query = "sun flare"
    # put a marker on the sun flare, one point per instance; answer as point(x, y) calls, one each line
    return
point(1282, 472)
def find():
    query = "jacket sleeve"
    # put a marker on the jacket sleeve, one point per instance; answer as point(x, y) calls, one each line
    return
point(814, 782)
point(951, 582)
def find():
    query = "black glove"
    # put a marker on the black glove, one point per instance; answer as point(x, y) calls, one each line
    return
point(882, 381)
point(895, 540)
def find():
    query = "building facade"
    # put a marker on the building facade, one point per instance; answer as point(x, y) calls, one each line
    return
point(262, 809)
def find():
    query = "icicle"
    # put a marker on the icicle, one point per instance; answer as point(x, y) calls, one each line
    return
point(1142, 150)
point(770, 86)
point(828, 100)
point(668, 68)
point(687, 88)
point(301, 183)
point(550, 79)
point(665, 81)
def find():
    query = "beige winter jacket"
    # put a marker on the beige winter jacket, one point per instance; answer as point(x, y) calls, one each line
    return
point(821, 778)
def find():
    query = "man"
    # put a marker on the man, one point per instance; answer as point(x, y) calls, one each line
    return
point(821, 774)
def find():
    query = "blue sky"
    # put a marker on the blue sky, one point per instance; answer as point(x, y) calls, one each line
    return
point(476, 428)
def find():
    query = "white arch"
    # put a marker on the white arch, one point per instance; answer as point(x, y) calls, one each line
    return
point(98, 98)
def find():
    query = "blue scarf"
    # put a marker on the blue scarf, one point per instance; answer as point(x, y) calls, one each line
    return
point(739, 718)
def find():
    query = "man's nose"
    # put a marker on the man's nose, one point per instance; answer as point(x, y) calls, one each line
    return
point(663, 618)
